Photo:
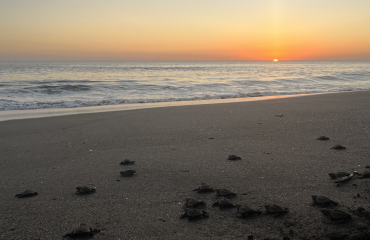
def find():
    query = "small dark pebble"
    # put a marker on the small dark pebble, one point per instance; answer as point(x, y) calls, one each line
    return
point(291, 231)
point(250, 237)
point(286, 238)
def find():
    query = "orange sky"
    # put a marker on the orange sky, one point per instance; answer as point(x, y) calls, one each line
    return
point(165, 30)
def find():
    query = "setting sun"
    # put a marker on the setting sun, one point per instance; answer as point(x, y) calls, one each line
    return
point(275, 60)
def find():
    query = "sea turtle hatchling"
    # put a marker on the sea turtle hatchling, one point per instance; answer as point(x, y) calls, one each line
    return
point(275, 209)
point(225, 193)
point(234, 157)
point(192, 203)
point(27, 193)
point(244, 211)
point(85, 190)
point(82, 232)
point(339, 175)
point(338, 147)
point(336, 215)
point(224, 203)
point(127, 173)
point(127, 162)
point(345, 178)
point(193, 213)
point(204, 188)
point(322, 201)
point(323, 138)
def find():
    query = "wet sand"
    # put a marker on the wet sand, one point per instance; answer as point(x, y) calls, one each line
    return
point(175, 149)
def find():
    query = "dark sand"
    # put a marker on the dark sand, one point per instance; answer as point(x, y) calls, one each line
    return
point(176, 149)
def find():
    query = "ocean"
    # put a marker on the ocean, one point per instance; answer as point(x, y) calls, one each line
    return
point(62, 85)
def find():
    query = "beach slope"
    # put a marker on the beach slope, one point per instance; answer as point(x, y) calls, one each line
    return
point(175, 149)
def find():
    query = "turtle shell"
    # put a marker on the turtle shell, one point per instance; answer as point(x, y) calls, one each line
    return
point(321, 200)
point(85, 190)
point(225, 193)
point(365, 174)
point(339, 175)
point(336, 214)
point(193, 213)
point(344, 179)
point(323, 138)
point(27, 193)
point(204, 188)
point(338, 147)
point(82, 231)
point(127, 162)
point(245, 211)
point(234, 157)
point(276, 209)
point(127, 173)
point(192, 203)
point(224, 203)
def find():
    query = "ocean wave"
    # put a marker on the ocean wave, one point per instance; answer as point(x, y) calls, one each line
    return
point(15, 105)
point(31, 85)
point(52, 89)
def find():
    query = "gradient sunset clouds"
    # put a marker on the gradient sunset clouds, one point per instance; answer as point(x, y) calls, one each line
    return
point(176, 30)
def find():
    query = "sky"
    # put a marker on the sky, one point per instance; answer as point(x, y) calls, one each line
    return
point(184, 30)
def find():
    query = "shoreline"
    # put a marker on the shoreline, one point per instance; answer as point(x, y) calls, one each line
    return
point(175, 149)
point(51, 112)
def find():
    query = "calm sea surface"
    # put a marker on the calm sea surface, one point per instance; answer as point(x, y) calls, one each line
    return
point(38, 85)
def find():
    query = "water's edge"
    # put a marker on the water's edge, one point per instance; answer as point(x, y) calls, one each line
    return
point(42, 113)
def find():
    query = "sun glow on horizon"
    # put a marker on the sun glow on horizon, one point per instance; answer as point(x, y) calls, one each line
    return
point(163, 31)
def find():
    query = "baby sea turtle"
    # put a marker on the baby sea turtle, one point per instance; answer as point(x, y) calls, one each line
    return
point(322, 138)
point(276, 209)
point(27, 193)
point(127, 162)
point(81, 232)
point(338, 147)
point(192, 203)
point(245, 211)
point(234, 157)
point(204, 188)
point(85, 190)
point(127, 173)
point(193, 213)
point(223, 203)
point(225, 193)
point(365, 174)
point(339, 175)
point(322, 201)
point(346, 178)
point(336, 215)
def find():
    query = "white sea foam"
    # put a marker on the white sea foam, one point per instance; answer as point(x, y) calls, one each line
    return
point(46, 85)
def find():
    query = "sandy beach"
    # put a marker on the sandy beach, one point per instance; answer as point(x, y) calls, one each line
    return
point(175, 149)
